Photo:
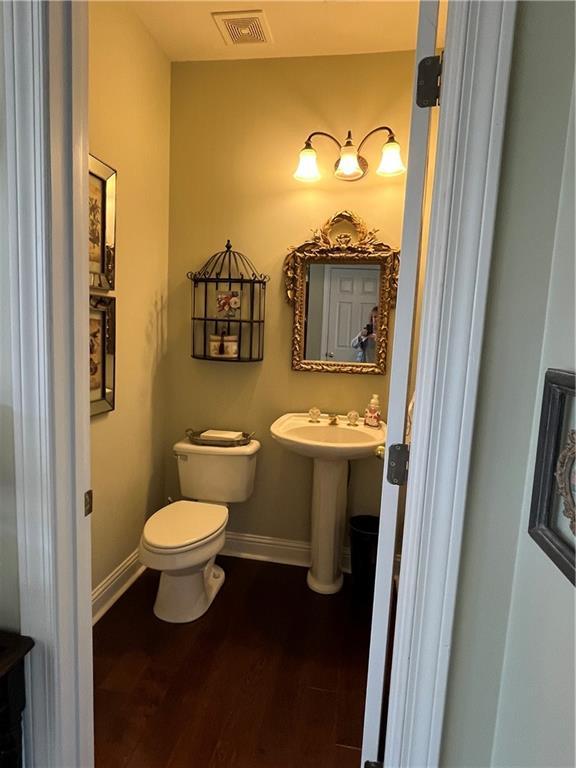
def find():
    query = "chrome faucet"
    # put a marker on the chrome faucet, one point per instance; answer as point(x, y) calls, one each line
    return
point(333, 419)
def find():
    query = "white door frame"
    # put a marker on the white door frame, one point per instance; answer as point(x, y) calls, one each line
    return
point(390, 504)
point(45, 52)
point(48, 152)
point(477, 66)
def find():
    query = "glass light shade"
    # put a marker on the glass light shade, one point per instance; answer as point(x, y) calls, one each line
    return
point(348, 166)
point(307, 166)
point(391, 163)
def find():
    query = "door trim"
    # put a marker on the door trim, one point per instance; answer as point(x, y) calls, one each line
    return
point(402, 346)
point(47, 231)
point(475, 80)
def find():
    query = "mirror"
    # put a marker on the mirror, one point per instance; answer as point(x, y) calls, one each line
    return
point(343, 285)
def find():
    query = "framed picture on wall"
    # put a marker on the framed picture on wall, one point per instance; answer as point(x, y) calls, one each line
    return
point(101, 224)
point(102, 353)
point(552, 512)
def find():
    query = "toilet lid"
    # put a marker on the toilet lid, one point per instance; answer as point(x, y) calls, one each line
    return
point(183, 523)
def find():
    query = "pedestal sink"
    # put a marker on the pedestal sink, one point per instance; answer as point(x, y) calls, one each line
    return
point(331, 446)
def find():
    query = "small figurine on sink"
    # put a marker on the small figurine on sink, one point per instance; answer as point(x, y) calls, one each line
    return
point(372, 414)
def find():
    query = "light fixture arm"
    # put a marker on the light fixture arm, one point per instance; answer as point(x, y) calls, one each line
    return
point(391, 136)
point(308, 142)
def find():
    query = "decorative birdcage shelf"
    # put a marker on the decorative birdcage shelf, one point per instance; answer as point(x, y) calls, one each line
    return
point(228, 307)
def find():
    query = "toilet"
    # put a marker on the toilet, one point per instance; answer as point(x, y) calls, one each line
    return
point(182, 539)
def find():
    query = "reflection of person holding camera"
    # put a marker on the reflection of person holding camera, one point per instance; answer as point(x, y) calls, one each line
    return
point(365, 342)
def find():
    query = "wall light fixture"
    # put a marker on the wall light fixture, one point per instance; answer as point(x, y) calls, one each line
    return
point(350, 166)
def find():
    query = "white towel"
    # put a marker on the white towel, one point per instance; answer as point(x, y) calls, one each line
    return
point(221, 434)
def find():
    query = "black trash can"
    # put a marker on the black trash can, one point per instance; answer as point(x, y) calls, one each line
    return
point(363, 550)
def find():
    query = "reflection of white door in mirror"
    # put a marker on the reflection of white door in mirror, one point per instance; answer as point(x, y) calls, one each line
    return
point(340, 303)
point(352, 294)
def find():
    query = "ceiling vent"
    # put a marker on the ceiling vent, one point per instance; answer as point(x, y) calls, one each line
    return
point(241, 27)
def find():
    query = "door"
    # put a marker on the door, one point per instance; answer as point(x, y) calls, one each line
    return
point(352, 293)
point(392, 500)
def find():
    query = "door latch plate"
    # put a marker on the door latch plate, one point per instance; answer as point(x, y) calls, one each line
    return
point(88, 499)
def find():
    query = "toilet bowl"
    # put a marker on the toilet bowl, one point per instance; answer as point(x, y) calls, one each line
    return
point(183, 538)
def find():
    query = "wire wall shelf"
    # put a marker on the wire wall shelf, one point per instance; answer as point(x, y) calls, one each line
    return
point(228, 308)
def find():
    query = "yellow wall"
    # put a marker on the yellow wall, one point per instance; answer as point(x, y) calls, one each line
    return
point(129, 130)
point(237, 128)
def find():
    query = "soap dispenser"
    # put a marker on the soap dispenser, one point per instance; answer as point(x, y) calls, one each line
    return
point(372, 414)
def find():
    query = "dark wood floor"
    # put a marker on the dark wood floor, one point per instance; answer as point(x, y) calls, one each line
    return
point(272, 676)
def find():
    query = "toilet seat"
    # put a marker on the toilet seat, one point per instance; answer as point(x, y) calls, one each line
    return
point(183, 525)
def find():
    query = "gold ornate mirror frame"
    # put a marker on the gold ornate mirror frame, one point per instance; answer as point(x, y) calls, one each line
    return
point(327, 248)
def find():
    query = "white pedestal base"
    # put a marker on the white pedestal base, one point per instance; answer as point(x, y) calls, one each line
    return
point(329, 491)
point(324, 589)
point(186, 595)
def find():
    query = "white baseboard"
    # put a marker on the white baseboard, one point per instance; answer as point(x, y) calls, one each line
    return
point(246, 545)
point(115, 584)
point(273, 550)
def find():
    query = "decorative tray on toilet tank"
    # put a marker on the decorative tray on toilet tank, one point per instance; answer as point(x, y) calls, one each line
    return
point(219, 438)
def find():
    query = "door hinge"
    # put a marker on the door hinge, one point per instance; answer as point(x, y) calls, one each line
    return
point(429, 79)
point(398, 454)
point(88, 503)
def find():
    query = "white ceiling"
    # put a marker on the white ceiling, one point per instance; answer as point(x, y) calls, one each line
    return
point(186, 31)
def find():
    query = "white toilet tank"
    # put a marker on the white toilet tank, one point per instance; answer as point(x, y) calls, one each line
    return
point(210, 473)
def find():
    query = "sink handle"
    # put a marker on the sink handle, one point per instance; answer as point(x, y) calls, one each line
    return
point(379, 452)
point(314, 414)
point(353, 417)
